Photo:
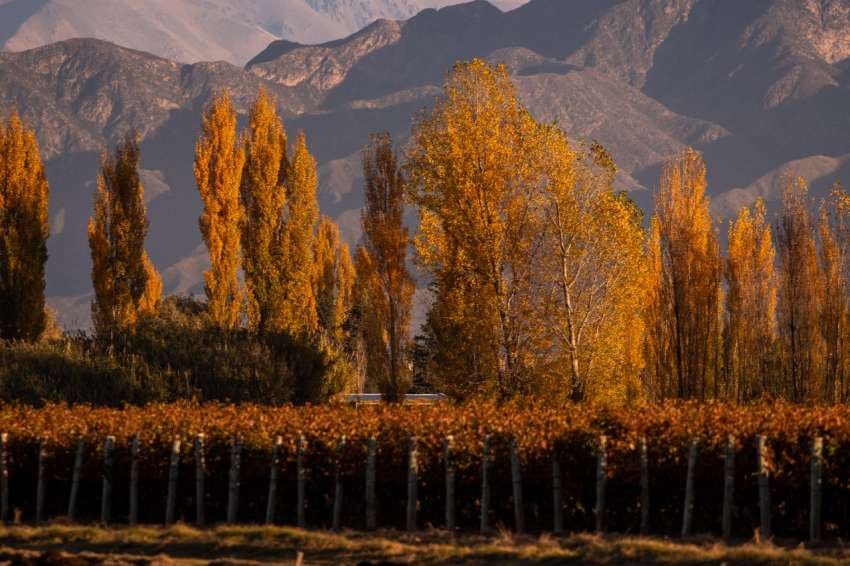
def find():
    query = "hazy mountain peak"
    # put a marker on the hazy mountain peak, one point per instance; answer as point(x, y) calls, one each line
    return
point(198, 30)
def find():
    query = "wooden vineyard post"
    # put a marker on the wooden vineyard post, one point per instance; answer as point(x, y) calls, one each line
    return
point(485, 486)
point(371, 511)
point(106, 493)
point(200, 471)
point(337, 510)
point(764, 486)
point(41, 488)
point(728, 487)
point(299, 463)
point(450, 483)
point(233, 479)
point(688, 512)
point(271, 501)
point(75, 480)
point(412, 484)
point(815, 496)
point(173, 469)
point(4, 477)
point(134, 480)
point(601, 477)
point(644, 487)
point(557, 496)
point(516, 480)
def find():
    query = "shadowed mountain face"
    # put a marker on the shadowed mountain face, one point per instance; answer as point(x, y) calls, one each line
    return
point(761, 87)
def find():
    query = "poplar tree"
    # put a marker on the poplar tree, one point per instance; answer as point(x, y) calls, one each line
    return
point(472, 173)
point(125, 283)
point(302, 213)
point(24, 195)
point(834, 229)
point(800, 296)
point(750, 306)
point(264, 201)
point(333, 280)
point(594, 253)
point(219, 159)
point(388, 286)
point(688, 287)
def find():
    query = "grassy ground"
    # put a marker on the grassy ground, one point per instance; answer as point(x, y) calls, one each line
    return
point(79, 545)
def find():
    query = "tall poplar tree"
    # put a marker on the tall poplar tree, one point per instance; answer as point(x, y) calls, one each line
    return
point(333, 280)
point(384, 277)
point(302, 213)
point(688, 282)
point(800, 296)
point(126, 285)
point(834, 228)
point(751, 307)
point(219, 159)
point(472, 175)
point(594, 253)
point(264, 202)
point(24, 195)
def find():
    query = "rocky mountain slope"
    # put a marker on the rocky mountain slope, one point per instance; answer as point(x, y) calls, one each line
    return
point(762, 88)
point(198, 30)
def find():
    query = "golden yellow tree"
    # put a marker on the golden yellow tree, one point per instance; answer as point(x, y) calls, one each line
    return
point(800, 296)
point(219, 159)
point(333, 280)
point(264, 202)
point(126, 285)
point(472, 175)
point(689, 290)
point(834, 228)
point(302, 213)
point(594, 255)
point(390, 295)
point(659, 373)
point(24, 195)
point(751, 307)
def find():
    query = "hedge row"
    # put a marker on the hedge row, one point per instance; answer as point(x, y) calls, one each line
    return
point(542, 434)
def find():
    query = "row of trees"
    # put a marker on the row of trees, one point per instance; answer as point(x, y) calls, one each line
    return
point(543, 278)
point(276, 266)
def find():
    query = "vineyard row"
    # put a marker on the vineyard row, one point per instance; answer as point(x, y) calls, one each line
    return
point(658, 469)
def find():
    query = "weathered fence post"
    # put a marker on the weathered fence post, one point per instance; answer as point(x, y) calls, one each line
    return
point(41, 488)
point(299, 463)
point(601, 477)
point(450, 482)
point(516, 480)
point(688, 513)
point(271, 503)
point(134, 480)
point(4, 477)
point(75, 480)
point(233, 478)
point(728, 487)
point(764, 486)
point(644, 487)
point(557, 496)
point(337, 510)
point(412, 484)
point(816, 494)
point(106, 493)
point(173, 469)
point(371, 511)
point(485, 486)
point(200, 471)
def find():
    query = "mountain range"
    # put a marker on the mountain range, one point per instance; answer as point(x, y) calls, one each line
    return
point(198, 30)
point(761, 87)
